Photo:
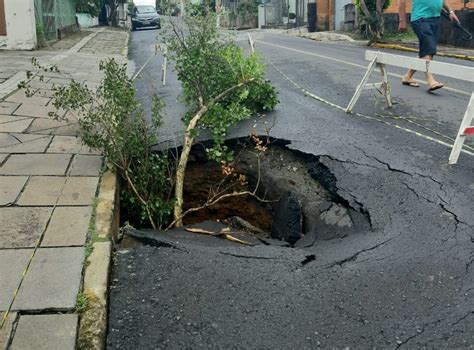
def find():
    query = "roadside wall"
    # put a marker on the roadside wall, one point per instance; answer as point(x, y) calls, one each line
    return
point(325, 15)
point(20, 25)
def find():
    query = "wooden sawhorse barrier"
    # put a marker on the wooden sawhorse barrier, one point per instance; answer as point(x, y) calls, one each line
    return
point(380, 60)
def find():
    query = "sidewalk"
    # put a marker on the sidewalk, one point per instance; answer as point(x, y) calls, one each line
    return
point(48, 184)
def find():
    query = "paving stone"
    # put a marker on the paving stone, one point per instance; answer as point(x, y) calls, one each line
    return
point(3, 156)
point(8, 107)
point(68, 227)
point(13, 262)
point(46, 332)
point(11, 188)
point(79, 191)
point(10, 123)
point(83, 165)
point(22, 227)
point(69, 144)
point(23, 143)
point(20, 97)
point(33, 110)
point(7, 330)
point(44, 93)
point(42, 190)
point(52, 281)
point(52, 127)
point(36, 164)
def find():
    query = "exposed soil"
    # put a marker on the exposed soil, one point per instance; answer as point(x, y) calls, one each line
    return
point(201, 178)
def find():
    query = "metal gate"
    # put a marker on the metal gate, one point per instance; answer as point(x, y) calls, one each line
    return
point(339, 13)
point(49, 20)
point(301, 12)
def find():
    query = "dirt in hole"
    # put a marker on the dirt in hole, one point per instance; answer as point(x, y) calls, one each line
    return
point(202, 178)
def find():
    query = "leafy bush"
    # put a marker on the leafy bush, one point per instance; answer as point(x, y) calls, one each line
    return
point(111, 120)
point(91, 7)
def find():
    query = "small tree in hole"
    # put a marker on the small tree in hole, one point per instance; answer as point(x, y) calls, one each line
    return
point(221, 86)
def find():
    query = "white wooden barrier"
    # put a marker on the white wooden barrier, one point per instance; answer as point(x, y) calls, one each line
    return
point(381, 60)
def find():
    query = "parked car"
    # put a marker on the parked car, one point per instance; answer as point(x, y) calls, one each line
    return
point(145, 16)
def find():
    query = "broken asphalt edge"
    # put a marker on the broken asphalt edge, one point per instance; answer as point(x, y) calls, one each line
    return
point(93, 321)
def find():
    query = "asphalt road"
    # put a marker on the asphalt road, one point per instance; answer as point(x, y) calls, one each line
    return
point(408, 282)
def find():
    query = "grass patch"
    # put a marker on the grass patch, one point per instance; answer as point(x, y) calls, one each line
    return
point(81, 303)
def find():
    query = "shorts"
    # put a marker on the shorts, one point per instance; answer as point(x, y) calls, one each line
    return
point(427, 31)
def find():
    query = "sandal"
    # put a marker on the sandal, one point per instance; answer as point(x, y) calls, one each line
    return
point(435, 86)
point(410, 83)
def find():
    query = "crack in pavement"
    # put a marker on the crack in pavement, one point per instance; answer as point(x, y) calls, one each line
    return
point(403, 342)
point(354, 256)
point(462, 318)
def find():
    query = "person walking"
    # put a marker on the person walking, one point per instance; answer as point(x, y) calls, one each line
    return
point(425, 21)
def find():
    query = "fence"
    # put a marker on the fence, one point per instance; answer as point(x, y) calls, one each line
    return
point(53, 16)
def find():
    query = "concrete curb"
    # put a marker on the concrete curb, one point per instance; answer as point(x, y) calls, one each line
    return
point(93, 321)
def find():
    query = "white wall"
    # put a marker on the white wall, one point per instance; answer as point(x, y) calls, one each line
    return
point(21, 25)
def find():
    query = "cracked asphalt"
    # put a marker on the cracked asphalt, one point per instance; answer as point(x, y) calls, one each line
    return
point(406, 283)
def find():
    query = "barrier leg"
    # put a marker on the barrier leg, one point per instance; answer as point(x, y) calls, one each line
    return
point(251, 43)
point(361, 87)
point(385, 84)
point(466, 123)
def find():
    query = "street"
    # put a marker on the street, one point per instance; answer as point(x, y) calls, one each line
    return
point(407, 282)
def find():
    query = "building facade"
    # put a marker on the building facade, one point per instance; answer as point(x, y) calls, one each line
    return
point(26, 23)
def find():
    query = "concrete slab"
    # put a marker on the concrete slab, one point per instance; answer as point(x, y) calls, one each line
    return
point(33, 110)
point(46, 332)
point(22, 227)
point(53, 127)
point(11, 187)
point(52, 281)
point(7, 330)
point(65, 144)
point(3, 157)
point(13, 262)
point(68, 227)
point(23, 143)
point(44, 93)
point(42, 190)
point(79, 191)
point(36, 164)
point(8, 107)
point(84, 165)
point(21, 97)
point(10, 123)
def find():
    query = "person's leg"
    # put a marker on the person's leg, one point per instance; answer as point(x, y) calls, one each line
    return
point(432, 41)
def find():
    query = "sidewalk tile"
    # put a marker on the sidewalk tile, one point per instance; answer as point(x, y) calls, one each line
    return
point(13, 262)
point(52, 127)
point(79, 191)
point(65, 144)
point(52, 281)
point(8, 107)
point(83, 165)
point(3, 156)
point(23, 143)
point(42, 190)
point(68, 227)
point(7, 330)
point(21, 97)
point(36, 164)
point(11, 188)
point(22, 227)
point(33, 110)
point(46, 332)
point(44, 93)
point(10, 123)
